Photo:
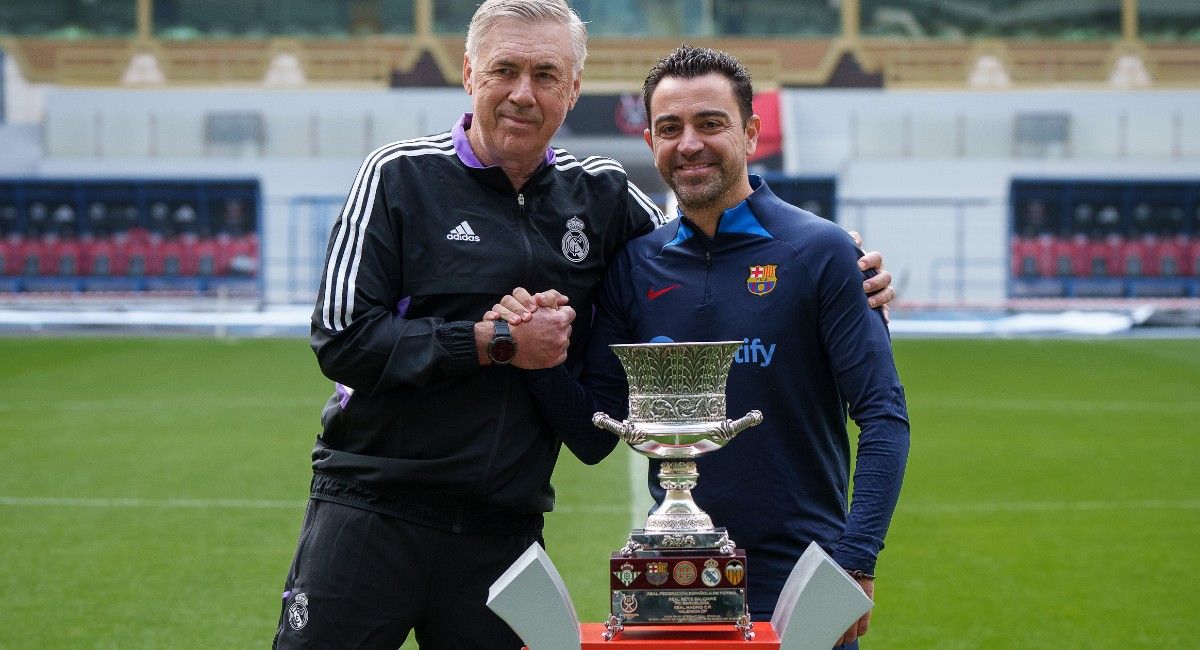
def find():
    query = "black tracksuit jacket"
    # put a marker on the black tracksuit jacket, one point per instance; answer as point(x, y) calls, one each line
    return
point(424, 246)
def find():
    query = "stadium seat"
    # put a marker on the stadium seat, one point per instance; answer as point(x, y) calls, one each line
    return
point(34, 258)
point(1134, 262)
point(1104, 257)
point(9, 266)
point(168, 258)
point(1034, 257)
point(135, 254)
point(65, 254)
point(1070, 256)
point(99, 258)
point(1165, 257)
point(237, 255)
point(199, 257)
point(1193, 257)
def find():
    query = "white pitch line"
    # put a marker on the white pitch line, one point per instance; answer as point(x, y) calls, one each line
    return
point(84, 502)
point(986, 507)
point(1078, 406)
point(640, 501)
point(637, 509)
point(230, 504)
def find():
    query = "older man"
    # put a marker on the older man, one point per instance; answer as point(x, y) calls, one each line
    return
point(432, 472)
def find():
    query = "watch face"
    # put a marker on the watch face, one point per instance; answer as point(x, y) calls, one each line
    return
point(502, 350)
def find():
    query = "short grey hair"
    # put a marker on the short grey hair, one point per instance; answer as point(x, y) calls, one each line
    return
point(529, 12)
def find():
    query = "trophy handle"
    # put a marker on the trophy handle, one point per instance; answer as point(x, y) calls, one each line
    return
point(626, 431)
point(726, 430)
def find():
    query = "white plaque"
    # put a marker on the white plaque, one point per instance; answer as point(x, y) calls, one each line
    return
point(818, 603)
point(531, 597)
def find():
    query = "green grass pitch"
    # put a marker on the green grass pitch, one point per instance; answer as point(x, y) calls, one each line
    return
point(151, 491)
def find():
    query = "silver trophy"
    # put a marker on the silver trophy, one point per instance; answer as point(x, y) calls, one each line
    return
point(677, 414)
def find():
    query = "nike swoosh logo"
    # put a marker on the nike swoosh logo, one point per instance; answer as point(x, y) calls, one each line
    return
point(651, 294)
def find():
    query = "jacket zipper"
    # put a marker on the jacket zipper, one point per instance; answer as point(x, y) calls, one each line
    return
point(522, 226)
point(496, 440)
point(707, 276)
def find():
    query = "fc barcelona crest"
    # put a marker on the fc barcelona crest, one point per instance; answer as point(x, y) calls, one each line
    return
point(657, 573)
point(762, 279)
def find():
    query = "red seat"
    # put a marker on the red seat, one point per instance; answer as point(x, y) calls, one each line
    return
point(168, 258)
point(99, 257)
point(237, 255)
point(1193, 258)
point(1070, 256)
point(134, 256)
point(10, 264)
point(65, 255)
point(33, 258)
point(1165, 257)
point(199, 257)
point(1034, 257)
point(1103, 257)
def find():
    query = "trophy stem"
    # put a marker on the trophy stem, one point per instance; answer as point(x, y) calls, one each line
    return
point(678, 512)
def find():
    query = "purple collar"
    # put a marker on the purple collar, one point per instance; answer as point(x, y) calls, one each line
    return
point(462, 146)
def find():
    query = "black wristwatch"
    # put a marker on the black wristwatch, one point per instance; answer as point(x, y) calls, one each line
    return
point(502, 348)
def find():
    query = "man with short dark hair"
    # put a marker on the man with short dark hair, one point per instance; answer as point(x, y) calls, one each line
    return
point(741, 264)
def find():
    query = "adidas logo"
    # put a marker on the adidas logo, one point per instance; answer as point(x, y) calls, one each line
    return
point(462, 232)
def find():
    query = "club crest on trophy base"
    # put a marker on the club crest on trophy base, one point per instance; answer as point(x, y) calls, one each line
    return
point(679, 568)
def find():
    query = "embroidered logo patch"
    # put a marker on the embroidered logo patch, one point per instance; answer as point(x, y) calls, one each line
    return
point(653, 294)
point(297, 614)
point(462, 232)
point(762, 279)
point(575, 244)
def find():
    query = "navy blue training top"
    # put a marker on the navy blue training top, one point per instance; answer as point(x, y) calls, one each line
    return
point(786, 283)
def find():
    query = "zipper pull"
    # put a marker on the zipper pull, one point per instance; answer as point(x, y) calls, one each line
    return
point(707, 259)
point(521, 204)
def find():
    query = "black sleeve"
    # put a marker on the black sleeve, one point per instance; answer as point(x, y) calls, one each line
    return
point(359, 337)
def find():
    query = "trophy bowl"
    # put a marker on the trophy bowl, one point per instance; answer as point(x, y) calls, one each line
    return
point(676, 399)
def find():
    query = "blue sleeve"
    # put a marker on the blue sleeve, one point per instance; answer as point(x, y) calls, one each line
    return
point(568, 403)
point(860, 353)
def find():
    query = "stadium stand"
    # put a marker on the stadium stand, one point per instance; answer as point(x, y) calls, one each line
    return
point(1000, 151)
point(134, 235)
point(1091, 238)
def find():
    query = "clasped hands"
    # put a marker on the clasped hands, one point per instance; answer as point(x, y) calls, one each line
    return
point(540, 323)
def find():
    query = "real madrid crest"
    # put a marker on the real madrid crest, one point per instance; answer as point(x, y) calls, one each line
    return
point(711, 575)
point(297, 614)
point(574, 243)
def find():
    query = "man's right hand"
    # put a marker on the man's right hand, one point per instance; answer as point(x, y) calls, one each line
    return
point(541, 327)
